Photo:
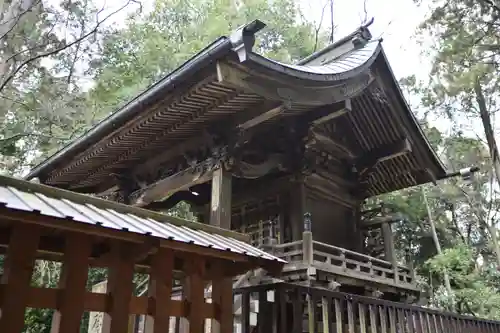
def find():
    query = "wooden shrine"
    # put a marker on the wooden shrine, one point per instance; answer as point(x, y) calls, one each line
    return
point(40, 222)
point(286, 154)
point(255, 146)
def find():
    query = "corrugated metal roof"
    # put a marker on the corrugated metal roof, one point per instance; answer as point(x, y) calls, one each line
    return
point(25, 196)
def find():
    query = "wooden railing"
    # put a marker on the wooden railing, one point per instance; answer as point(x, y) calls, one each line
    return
point(333, 258)
point(289, 308)
point(261, 233)
point(360, 263)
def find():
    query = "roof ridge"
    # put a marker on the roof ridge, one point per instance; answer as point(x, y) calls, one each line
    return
point(360, 36)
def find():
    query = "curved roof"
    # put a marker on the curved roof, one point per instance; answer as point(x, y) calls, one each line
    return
point(227, 79)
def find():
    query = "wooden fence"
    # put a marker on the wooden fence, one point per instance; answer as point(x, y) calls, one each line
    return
point(289, 308)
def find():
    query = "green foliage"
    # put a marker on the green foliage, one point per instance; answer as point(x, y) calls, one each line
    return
point(475, 292)
point(155, 44)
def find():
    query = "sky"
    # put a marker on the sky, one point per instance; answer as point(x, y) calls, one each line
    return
point(392, 23)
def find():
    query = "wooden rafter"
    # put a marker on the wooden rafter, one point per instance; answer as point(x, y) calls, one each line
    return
point(367, 162)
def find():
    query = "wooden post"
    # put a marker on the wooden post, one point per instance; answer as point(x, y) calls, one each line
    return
point(16, 277)
point(119, 288)
point(390, 252)
point(194, 294)
point(222, 295)
point(96, 319)
point(220, 212)
point(160, 290)
point(297, 209)
point(73, 282)
point(307, 241)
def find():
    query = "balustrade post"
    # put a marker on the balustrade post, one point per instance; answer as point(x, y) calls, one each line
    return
point(307, 240)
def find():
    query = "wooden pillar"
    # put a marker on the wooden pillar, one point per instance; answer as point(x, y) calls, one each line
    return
point(297, 209)
point(120, 288)
point(220, 212)
point(222, 296)
point(388, 241)
point(194, 294)
point(357, 235)
point(389, 249)
point(73, 281)
point(160, 290)
point(16, 277)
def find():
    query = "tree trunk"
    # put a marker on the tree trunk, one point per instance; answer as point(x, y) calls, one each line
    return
point(495, 158)
point(439, 251)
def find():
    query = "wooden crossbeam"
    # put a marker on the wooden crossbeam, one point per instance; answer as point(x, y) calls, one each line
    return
point(47, 298)
point(166, 187)
point(16, 277)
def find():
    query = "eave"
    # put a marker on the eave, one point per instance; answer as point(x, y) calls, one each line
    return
point(229, 83)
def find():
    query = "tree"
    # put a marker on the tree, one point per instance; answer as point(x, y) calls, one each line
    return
point(156, 43)
point(44, 49)
point(465, 67)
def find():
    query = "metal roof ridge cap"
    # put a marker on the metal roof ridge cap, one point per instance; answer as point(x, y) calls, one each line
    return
point(289, 69)
point(362, 30)
point(83, 199)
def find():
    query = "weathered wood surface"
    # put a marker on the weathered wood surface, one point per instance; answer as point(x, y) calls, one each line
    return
point(24, 241)
point(307, 309)
point(339, 261)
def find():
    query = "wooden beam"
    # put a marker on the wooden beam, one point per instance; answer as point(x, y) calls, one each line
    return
point(166, 187)
point(16, 277)
point(335, 114)
point(220, 211)
point(265, 116)
point(379, 220)
point(47, 298)
point(72, 283)
point(383, 153)
point(319, 139)
point(177, 150)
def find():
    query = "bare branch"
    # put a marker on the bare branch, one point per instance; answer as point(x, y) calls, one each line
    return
point(62, 48)
point(15, 20)
point(318, 28)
